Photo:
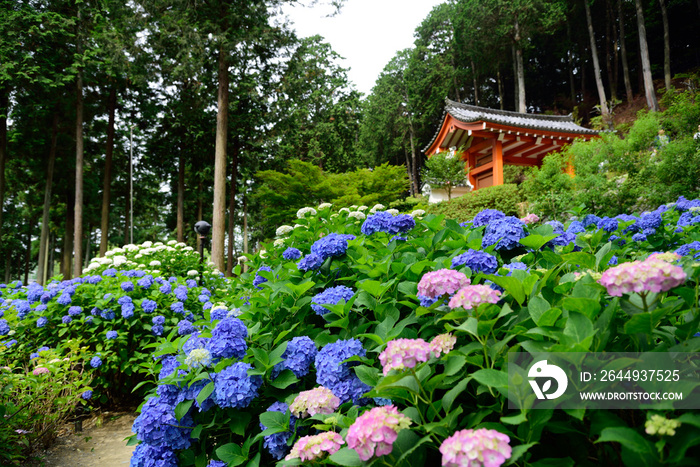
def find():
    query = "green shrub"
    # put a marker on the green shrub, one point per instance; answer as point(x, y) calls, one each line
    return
point(504, 198)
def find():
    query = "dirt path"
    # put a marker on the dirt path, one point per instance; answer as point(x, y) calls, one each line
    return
point(100, 444)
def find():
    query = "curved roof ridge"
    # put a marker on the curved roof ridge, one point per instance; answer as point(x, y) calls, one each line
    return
point(508, 113)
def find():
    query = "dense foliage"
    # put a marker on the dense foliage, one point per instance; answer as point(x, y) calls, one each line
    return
point(358, 321)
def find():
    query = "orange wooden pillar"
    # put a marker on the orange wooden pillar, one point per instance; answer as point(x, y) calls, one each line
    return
point(471, 163)
point(497, 162)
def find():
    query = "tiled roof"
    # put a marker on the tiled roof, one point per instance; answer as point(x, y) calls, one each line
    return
point(470, 113)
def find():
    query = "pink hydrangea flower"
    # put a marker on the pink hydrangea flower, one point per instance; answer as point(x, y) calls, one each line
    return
point(313, 447)
point(444, 281)
point(472, 296)
point(317, 400)
point(651, 275)
point(404, 353)
point(40, 370)
point(442, 343)
point(475, 448)
point(375, 431)
point(530, 219)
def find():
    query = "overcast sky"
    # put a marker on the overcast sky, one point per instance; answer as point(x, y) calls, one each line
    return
point(367, 33)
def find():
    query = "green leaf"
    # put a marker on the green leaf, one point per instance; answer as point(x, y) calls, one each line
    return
point(639, 323)
point(275, 421)
point(347, 457)
point(492, 378)
point(580, 259)
point(182, 408)
point(628, 438)
point(511, 285)
point(285, 379)
point(205, 392)
point(368, 375)
point(450, 396)
point(579, 328)
point(232, 454)
point(535, 241)
point(537, 306)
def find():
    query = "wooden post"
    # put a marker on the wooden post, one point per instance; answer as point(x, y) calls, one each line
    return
point(497, 162)
point(471, 158)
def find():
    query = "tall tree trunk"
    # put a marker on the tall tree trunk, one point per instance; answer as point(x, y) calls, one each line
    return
point(4, 109)
point(596, 67)
point(181, 199)
point(520, 67)
point(475, 80)
point(611, 49)
point(515, 78)
point(232, 207)
point(200, 206)
point(66, 269)
point(499, 80)
point(52, 249)
point(409, 172)
point(28, 251)
point(127, 216)
point(219, 218)
point(667, 46)
point(41, 274)
point(78, 223)
point(107, 183)
point(652, 103)
point(570, 59)
point(414, 159)
point(245, 224)
point(88, 245)
point(623, 53)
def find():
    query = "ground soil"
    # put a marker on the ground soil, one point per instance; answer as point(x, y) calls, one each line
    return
point(100, 443)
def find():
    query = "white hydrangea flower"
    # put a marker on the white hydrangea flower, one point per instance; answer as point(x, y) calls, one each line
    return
point(344, 210)
point(211, 264)
point(263, 253)
point(138, 256)
point(353, 207)
point(147, 244)
point(192, 273)
point(119, 260)
point(141, 266)
point(279, 242)
point(156, 271)
point(172, 242)
point(393, 212)
point(172, 260)
point(131, 247)
point(158, 244)
point(242, 259)
point(299, 226)
point(301, 213)
point(170, 248)
point(188, 248)
point(106, 260)
point(110, 253)
point(154, 263)
point(362, 208)
point(147, 251)
point(357, 215)
point(234, 313)
point(418, 213)
point(324, 206)
point(377, 207)
point(333, 216)
point(180, 245)
point(283, 230)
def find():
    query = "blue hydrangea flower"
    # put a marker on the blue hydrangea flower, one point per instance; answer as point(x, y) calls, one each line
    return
point(651, 220)
point(66, 319)
point(477, 261)
point(110, 272)
point(181, 293)
point(563, 239)
point(377, 222)
point(74, 310)
point(291, 253)
point(427, 301)
point(576, 227)
point(127, 286)
point(331, 245)
point(87, 395)
point(96, 362)
point(166, 288)
point(337, 376)
point(191, 283)
point(185, 327)
point(22, 306)
point(590, 219)
point(34, 292)
point(214, 463)
point(145, 281)
point(146, 455)
point(330, 296)
point(160, 319)
point(310, 262)
point(88, 319)
point(683, 204)
point(351, 389)
point(228, 339)
point(41, 322)
point(93, 279)
point(608, 224)
point(260, 279)
point(684, 250)
point(639, 237)
point(64, 299)
point(157, 330)
point(178, 307)
point(33, 355)
point(515, 266)
point(276, 443)
point(613, 261)
point(108, 315)
point(157, 426)
point(504, 233)
point(401, 223)
point(299, 354)
point(149, 306)
point(234, 388)
point(688, 218)
point(486, 216)
point(112, 335)
point(556, 225)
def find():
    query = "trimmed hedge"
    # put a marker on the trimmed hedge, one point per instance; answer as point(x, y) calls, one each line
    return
point(504, 198)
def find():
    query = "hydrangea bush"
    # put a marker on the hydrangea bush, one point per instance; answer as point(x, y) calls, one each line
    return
point(382, 338)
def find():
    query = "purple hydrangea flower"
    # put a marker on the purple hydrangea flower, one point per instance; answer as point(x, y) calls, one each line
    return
point(166, 288)
point(228, 339)
point(145, 281)
point(146, 455)
point(96, 362)
point(260, 279)
point(185, 327)
point(181, 293)
point(87, 395)
point(486, 216)
point(504, 233)
point(337, 376)
point(331, 245)
point(66, 319)
point(41, 322)
point(157, 426)
point(112, 335)
point(300, 352)
point(149, 306)
point(310, 262)
point(74, 310)
point(127, 286)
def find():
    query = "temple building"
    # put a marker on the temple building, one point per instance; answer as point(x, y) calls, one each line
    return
point(488, 139)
